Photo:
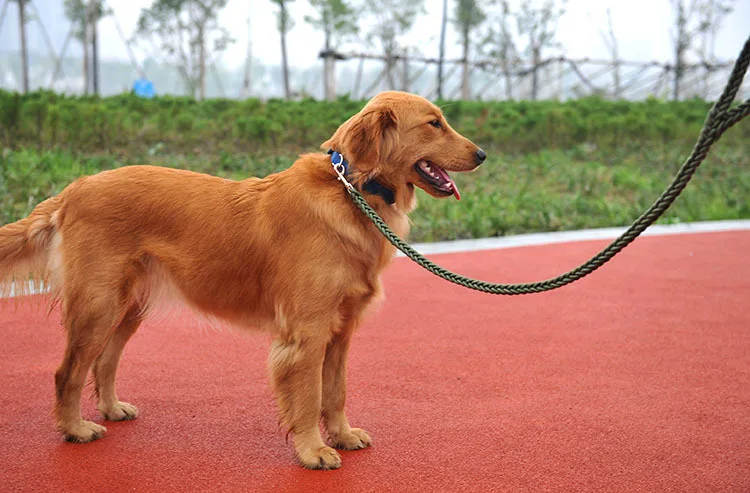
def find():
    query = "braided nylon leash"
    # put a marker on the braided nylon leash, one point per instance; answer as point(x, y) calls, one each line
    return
point(719, 119)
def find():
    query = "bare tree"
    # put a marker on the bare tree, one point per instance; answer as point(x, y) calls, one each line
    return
point(337, 19)
point(247, 79)
point(693, 19)
point(500, 45)
point(185, 30)
point(43, 30)
point(441, 60)
point(711, 14)
point(610, 40)
point(390, 20)
point(24, 52)
point(682, 39)
point(538, 24)
point(94, 7)
point(468, 16)
point(285, 24)
point(83, 16)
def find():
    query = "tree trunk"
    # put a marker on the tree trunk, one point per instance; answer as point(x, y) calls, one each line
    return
point(679, 52)
point(85, 43)
point(202, 63)
point(58, 61)
point(443, 27)
point(358, 78)
point(705, 82)
point(678, 71)
point(284, 65)
point(24, 53)
point(465, 87)
point(94, 48)
point(535, 74)
point(615, 57)
point(330, 79)
point(508, 84)
point(618, 83)
point(405, 72)
point(329, 69)
point(247, 81)
point(389, 71)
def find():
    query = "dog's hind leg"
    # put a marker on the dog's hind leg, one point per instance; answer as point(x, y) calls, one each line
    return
point(92, 308)
point(296, 368)
point(105, 369)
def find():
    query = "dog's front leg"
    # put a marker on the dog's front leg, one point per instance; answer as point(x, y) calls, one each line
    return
point(296, 368)
point(341, 434)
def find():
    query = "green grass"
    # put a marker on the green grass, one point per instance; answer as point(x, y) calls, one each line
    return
point(567, 190)
point(548, 190)
point(553, 165)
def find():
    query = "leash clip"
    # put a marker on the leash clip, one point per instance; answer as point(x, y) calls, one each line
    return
point(340, 170)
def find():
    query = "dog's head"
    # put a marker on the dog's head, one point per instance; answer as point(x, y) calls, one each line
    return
point(403, 140)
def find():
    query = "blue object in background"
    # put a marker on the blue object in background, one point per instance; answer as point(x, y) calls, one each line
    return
point(144, 88)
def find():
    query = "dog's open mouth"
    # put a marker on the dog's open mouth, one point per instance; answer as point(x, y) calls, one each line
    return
point(437, 177)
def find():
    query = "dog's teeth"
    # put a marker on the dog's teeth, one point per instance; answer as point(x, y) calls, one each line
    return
point(427, 168)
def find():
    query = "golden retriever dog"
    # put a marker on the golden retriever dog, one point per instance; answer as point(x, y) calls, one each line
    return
point(289, 254)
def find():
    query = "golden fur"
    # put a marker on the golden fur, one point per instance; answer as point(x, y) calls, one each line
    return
point(288, 253)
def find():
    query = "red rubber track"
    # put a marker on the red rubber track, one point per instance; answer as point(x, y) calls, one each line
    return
point(634, 379)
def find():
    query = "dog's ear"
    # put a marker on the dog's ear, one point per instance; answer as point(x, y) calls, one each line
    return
point(368, 138)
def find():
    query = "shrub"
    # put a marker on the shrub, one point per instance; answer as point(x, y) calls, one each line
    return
point(127, 123)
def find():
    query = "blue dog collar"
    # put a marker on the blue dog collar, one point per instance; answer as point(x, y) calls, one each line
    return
point(338, 160)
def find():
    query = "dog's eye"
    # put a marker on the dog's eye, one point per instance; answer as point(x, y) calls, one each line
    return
point(436, 124)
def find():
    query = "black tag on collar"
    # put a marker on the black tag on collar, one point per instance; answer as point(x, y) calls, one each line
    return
point(376, 188)
point(371, 186)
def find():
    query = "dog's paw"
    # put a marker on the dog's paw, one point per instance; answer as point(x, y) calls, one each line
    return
point(355, 439)
point(320, 458)
point(120, 411)
point(83, 431)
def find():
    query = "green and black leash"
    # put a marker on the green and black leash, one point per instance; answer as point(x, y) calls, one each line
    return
point(719, 119)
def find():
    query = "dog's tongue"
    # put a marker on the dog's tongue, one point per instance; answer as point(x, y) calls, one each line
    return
point(449, 181)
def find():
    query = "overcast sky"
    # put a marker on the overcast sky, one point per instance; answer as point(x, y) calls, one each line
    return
point(642, 28)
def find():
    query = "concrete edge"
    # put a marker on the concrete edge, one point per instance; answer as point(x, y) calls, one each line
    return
point(534, 239)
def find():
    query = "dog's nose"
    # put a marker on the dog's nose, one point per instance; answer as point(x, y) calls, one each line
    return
point(481, 156)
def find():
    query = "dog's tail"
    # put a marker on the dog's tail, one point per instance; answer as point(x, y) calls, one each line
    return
point(25, 250)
